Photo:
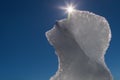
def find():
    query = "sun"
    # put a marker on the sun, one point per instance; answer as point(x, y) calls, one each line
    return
point(70, 9)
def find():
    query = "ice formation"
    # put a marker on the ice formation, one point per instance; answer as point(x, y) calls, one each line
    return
point(80, 42)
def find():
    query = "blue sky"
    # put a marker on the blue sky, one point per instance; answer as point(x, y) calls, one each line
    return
point(25, 53)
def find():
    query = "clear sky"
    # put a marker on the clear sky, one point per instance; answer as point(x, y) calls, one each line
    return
point(25, 53)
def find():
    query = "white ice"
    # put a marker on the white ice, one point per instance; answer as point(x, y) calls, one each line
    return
point(81, 41)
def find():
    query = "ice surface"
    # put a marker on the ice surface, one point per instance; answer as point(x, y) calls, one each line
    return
point(80, 42)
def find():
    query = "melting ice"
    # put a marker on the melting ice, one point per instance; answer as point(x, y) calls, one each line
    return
point(80, 43)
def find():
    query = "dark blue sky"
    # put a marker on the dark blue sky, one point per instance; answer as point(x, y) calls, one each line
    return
point(25, 53)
